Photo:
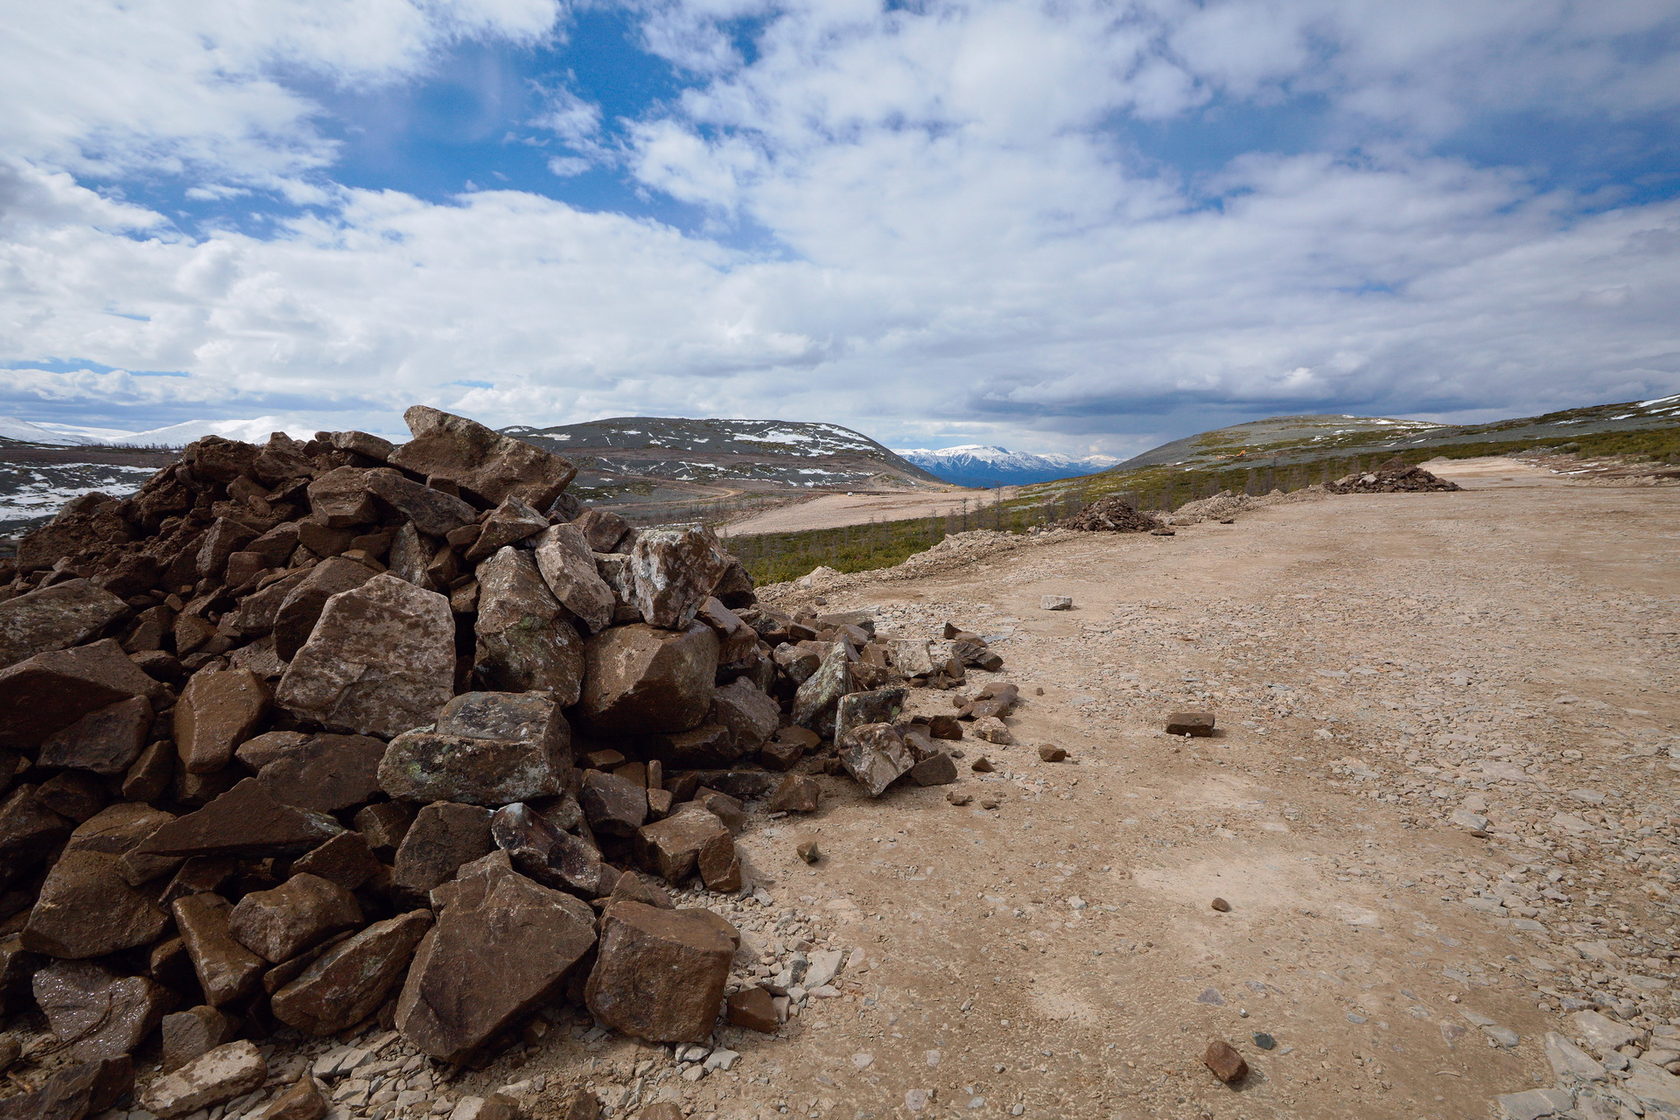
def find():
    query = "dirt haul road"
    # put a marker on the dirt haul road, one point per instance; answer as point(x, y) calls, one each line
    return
point(832, 511)
point(1378, 664)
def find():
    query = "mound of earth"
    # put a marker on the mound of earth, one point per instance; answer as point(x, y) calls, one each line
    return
point(1394, 477)
point(1112, 514)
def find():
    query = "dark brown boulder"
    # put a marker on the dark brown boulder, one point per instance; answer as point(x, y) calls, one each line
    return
point(797, 793)
point(525, 643)
point(675, 571)
point(1196, 724)
point(218, 710)
point(346, 859)
point(226, 970)
point(481, 462)
point(300, 610)
point(97, 1013)
point(750, 714)
point(671, 847)
point(552, 857)
point(351, 980)
point(380, 661)
point(754, 1009)
point(488, 748)
point(340, 499)
point(604, 530)
point(568, 568)
point(87, 909)
point(513, 521)
point(106, 741)
point(55, 617)
point(246, 820)
point(303, 911)
point(90, 522)
point(720, 865)
point(443, 837)
point(430, 511)
point(643, 680)
point(876, 755)
point(614, 806)
point(660, 974)
point(73, 1093)
point(50, 691)
point(327, 773)
point(197, 1030)
point(117, 831)
point(502, 946)
point(260, 750)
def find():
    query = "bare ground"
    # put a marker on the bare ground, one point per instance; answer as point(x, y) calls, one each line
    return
point(832, 511)
point(1377, 663)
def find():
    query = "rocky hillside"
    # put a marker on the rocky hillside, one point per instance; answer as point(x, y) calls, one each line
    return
point(654, 458)
point(987, 465)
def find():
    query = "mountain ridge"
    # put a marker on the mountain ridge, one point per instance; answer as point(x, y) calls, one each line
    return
point(981, 464)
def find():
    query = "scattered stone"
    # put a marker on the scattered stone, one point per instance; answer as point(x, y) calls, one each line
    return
point(993, 730)
point(660, 974)
point(797, 793)
point(1265, 1041)
point(958, 798)
point(1225, 1062)
point(1050, 753)
point(982, 765)
point(876, 756)
point(303, 1101)
point(808, 851)
point(753, 1009)
point(671, 847)
point(1221, 905)
point(1198, 724)
point(228, 1071)
point(1055, 602)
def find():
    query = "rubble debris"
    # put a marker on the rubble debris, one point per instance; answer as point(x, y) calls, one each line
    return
point(1393, 477)
point(1112, 514)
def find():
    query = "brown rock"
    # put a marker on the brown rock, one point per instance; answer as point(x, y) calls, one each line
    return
point(674, 572)
point(328, 773)
point(982, 765)
point(604, 530)
point(797, 793)
point(937, 769)
point(671, 847)
point(91, 521)
point(430, 510)
point(489, 748)
point(808, 850)
point(106, 741)
point(662, 1110)
point(117, 831)
point(754, 1009)
point(736, 640)
point(370, 446)
point(380, 661)
point(502, 946)
point(660, 974)
point(444, 837)
point(217, 711)
point(50, 691)
point(193, 1032)
point(1051, 753)
point(384, 825)
point(550, 856)
point(614, 806)
point(720, 865)
point(73, 1093)
point(815, 703)
point(641, 680)
point(73, 794)
point(525, 642)
point(346, 859)
point(876, 756)
point(1199, 724)
point(56, 617)
point(303, 1101)
point(481, 462)
point(29, 831)
point(260, 750)
point(340, 499)
point(300, 610)
point(777, 755)
point(87, 909)
point(95, 1012)
point(749, 713)
point(1221, 905)
point(228, 1071)
point(1225, 1062)
point(305, 910)
point(246, 820)
point(351, 980)
point(512, 522)
point(568, 568)
point(226, 970)
point(993, 730)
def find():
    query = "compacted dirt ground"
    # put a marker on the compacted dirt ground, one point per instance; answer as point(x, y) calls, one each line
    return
point(1441, 806)
point(832, 511)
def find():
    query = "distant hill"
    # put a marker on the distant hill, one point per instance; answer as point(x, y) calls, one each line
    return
point(987, 465)
point(660, 458)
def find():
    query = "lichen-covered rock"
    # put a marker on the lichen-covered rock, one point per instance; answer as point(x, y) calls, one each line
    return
point(815, 703)
point(488, 748)
point(55, 617)
point(380, 661)
point(675, 571)
point(568, 567)
point(524, 641)
point(482, 462)
point(875, 755)
point(300, 610)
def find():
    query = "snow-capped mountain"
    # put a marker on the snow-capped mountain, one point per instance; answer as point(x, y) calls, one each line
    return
point(25, 432)
point(179, 435)
point(985, 465)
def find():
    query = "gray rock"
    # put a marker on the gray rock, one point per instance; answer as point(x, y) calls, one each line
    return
point(488, 748)
point(228, 1071)
point(815, 703)
point(380, 661)
point(1535, 1104)
point(674, 572)
point(876, 755)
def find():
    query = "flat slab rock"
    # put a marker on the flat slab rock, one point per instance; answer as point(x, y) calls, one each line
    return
point(224, 1073)
point(55, 617)
point(353, 978)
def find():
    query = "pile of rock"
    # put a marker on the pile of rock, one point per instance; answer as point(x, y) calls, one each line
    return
point(319, 732)
point(1393, 477)
point(1112, 514)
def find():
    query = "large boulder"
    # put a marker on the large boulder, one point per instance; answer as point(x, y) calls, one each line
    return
point(639, 679)
point(301, 608)
point(55, 617)
point(87, 909)
point(432, 511)
point(671, 847)
point(327, 773)
point(482, 462)
point(84, 524)
point(246, 820)
point(106, 741)
point(875, 754)
point(568, 567)
point(50, 691)
point(444, 837)
point(352, 979)
point(513, 521)
point(218, 710)
point(280, 923)
point(97, 1013)
point(660, 974)
point(550, 856)
point(380, 661)
point(675, 570)
point(503, 945)
point(488, 748)
point(227, 971)
point(525, 643)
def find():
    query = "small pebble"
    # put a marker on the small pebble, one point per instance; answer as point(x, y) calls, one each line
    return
point(1051, 753)
point(1264, 1041)
point(1221, 905)
point(808, 851)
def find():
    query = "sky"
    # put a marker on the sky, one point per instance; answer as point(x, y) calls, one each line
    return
point(1055, 225)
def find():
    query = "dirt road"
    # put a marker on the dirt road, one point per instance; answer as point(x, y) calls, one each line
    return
point(830, 511)
point(1378, 663)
